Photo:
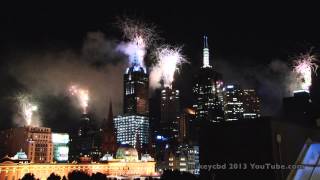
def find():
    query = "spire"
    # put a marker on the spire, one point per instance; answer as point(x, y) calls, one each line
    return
point(205, 52)
point(110, 115)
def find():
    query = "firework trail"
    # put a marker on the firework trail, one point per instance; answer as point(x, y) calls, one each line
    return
point(140, 38)
point(304, 66)
point(82, 96)
point(26, 107)
point(168, 60)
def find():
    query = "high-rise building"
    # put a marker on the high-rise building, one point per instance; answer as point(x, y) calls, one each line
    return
point(132, 128)
point(240, 103)
point(208, 90)
point(251, 104)
point(186, 126)
point(36, 142)
point(135, 98)
point(87, 141)
point(233, 105)
point(170, 114)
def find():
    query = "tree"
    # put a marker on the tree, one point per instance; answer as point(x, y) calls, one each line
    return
point(78, 175)
point(28, 176)
point(98, 176)
point(53, 177)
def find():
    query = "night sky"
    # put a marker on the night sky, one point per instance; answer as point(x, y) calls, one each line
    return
point(244, 39)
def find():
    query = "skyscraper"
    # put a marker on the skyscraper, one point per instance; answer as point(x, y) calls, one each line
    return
point(133, 126)
point(135, 98)
point(240, 103)
point(170, 114)
point(233, 105)
point(208, 90)
point(251, 104)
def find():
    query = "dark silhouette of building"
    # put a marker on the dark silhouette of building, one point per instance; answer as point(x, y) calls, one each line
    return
point(233, 147)
point(208, 90)
point(109, 138)
point(299, 108)
point(86, 142)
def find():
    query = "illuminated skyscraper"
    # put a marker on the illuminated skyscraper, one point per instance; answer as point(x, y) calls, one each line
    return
point(170, 114)
point(135, 98)
point(208, 90)
point(233, 106)
point(240, 103)
point(133, 126)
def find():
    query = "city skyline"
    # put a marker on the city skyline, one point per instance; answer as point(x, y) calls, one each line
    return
point(159, 91)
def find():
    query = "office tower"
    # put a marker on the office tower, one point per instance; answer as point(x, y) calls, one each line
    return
point(170, 114)
point(240, 103)
point(135, 98)
point(208, 90)
point(251, 104)
point(186, 126)
point(36, 142)
point(233, 105)
point(133, 125)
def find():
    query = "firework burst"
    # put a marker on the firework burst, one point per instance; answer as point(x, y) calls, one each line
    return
point(140, 38)
point(169, 58)
point(27, 107)
point(82, 96)
point(304, 66)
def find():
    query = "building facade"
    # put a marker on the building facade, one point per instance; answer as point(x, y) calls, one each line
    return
point(132, 129)
point(208, 90)
point(185, 159)
point(36, 142)
point(125, 164)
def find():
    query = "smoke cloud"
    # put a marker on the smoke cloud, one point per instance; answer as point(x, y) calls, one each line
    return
point(98, 67)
